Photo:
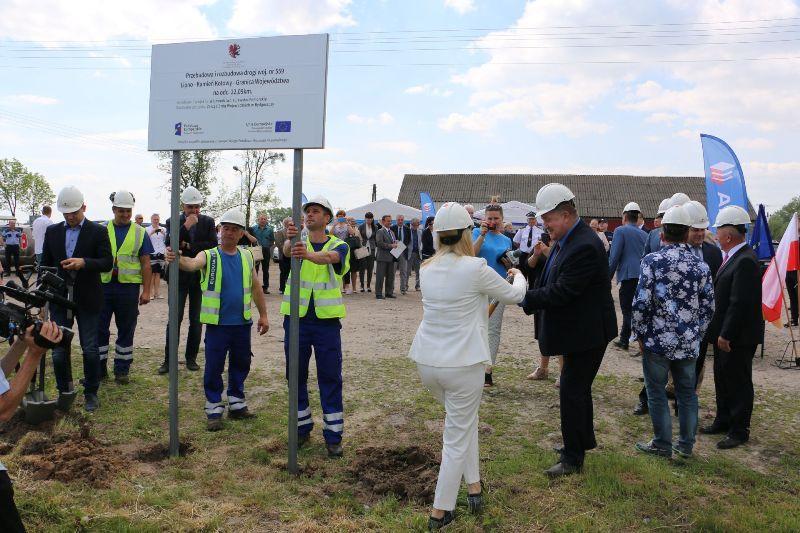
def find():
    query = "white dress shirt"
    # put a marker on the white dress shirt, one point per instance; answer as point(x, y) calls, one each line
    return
point(39, 228)
point(730, 253)
point(455, 300)
point(521, 238)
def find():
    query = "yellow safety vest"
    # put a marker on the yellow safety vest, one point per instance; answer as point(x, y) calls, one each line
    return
point(126, 258)
point(211, 285)
point(323, 283)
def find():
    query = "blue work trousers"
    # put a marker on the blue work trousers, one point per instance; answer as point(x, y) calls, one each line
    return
point(220, 342)
point(656, 371)
point(326, 341)
point(122, 301)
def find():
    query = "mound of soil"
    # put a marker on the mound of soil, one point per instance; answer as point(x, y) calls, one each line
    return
point(159, 452)
point(16, 428)
point(408, 472)
point(77, 458)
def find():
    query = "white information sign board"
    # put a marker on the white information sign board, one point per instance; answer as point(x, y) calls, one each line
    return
point(259, 93)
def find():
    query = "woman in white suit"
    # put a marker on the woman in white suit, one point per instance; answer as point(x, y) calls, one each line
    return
point(451, 349)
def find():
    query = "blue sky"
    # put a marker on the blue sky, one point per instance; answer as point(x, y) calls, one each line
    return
point(557, 86)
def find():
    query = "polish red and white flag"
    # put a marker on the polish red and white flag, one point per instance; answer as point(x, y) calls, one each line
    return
point(787, 258)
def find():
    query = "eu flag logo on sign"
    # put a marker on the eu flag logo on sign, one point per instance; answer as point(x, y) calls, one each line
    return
point(283, 126)
point(178, 128)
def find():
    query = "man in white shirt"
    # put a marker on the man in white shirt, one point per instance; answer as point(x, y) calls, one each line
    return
point(526, 239)
point(158, 234)
point(39, 227)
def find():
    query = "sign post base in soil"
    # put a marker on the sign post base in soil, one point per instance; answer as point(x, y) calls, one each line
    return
point(294, 314)
point(174, 237)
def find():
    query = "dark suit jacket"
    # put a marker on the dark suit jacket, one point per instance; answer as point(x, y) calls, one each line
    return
point(573, 304)
point(95, 249)
point(406, 234)
point(363, 230)
point(427, 243)
point(712, 256)
point(737, 300)
point(204, 238)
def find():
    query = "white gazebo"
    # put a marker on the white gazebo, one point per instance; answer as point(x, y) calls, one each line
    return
point(384, 206)
point(513, 211)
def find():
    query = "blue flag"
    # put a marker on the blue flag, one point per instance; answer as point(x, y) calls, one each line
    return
point(428, 208)
point(761, 239)
point(303, 199)
point(724, 177)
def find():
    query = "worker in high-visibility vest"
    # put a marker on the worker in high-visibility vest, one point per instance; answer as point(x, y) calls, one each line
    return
point(229, 283)
point(130, 249)
point(324, 261)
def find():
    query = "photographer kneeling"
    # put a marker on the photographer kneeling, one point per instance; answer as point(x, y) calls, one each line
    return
point(11, 393)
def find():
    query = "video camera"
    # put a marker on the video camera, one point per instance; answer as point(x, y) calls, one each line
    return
point(15, 317)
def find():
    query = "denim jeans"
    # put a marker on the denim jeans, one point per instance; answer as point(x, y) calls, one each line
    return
point(656, 371)
point(87, 332)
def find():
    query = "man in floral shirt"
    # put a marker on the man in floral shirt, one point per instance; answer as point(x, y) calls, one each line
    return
point(672, 308)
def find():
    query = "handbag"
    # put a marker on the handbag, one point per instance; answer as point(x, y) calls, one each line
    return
point(361, 253)
point(258, 254)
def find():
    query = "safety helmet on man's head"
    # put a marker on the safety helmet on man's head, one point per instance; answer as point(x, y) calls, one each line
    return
point(678, 216)
point(70, 199)
point(123, 199)
point(191, 196)
point(631, 206)
point(679, 198)
point(320, 201)
point(732, 215)
point(665, 204)
point(233, 216)
point(550, 196)
point(697, 213)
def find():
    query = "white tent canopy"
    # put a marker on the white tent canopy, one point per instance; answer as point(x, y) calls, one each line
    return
point(384, 206)
point(513, 211)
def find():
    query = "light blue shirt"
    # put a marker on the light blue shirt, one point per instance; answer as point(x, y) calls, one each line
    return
point(494, 245)
point(12, 236)
point(71, 237)
point(4, 388)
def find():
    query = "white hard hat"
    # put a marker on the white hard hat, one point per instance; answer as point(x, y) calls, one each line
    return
point(697, 213)
point(733, 215)
point(233, 216)
point(550, 196)
point(123, 199)
point(191, 196)
point(677, 215)
point(320, 201)
point(679, 198)
point(631, 206)
point(452, 216)
point(70, 199)
point(665, 204)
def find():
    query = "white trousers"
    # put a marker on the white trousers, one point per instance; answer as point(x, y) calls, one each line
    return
point(495, 327)
point(459, 389)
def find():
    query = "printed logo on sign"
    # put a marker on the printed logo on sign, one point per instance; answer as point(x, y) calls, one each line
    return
point(721, 172)
point(178, 128)
point(233, 50)
point(283, 126)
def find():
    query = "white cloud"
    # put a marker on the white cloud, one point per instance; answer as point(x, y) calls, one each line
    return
point(31, 99)
point(402, 147)
point(383, 118)
point(296, 17)
point(461, 6)
point(758, 143)
point(45, 21)
point(429, 89)
point(771, 183)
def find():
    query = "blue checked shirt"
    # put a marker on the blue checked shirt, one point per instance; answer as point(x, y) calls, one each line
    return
point(674, 302)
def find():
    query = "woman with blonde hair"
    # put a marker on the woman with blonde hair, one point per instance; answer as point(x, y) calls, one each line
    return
point(451, 349)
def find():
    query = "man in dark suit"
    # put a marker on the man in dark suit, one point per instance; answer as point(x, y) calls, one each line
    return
point(736, 329)
point(712, 256)
point(198, 232)
point(369, 230)
point(573, 291)
point(81, 251)
point(403, 234)
point(385, 241)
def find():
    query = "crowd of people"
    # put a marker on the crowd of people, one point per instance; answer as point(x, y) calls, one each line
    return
point(681, 289)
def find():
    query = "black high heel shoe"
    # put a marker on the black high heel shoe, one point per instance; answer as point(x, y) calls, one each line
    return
point(438, 523)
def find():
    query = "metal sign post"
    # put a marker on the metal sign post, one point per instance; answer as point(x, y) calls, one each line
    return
point(294, 314)
point(174, 239)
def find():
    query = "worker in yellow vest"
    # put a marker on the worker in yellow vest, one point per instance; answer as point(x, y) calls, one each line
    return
point(325, 259)
point(229, 283)
point(130, 249)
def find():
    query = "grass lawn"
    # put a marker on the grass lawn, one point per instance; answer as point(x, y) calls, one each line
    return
point(235, 480)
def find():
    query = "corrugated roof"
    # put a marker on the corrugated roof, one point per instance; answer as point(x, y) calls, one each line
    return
point(596, 195)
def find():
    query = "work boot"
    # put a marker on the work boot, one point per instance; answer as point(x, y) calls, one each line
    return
point(240, 414)
point(640, 409)
point(562, 469)
point(92, 403)
point(334, 449)
point(192, 365)
point(214, 424)
point(121, 379)
point(163, 369)
point(730, 442)
point(302, 439)
point(621, 345)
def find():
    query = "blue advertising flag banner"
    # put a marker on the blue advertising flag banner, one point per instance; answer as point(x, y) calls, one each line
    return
point(761, 239)
point(724, 176)
point(427, 206)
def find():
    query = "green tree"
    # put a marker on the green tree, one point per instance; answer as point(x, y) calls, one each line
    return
point(21, 188)
point(257, 193)
point(197, 168)
point(779, 220)
point(277, 214)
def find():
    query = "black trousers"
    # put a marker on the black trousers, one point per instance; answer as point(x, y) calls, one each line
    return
point(265, 252)
point(523, 265)
point(190, 290)
point(10, 521)
point(733, 381)
point(791, 286)
point(578, 371)
point(367, 265)
point(627, 290)
point(285, 266)
point(12, 253)
point(701, 362)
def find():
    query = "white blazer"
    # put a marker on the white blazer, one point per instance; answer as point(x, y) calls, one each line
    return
point(455, 301)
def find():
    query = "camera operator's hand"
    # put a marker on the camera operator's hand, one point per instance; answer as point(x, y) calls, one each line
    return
point(73, 263)
point(484, 228)
point(50, 331)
